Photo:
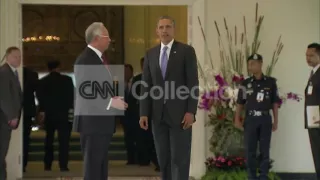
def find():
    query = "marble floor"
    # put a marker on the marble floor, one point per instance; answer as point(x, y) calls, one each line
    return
point(117, 170)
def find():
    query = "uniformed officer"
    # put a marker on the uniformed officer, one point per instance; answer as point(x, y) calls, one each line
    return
point(257, 95)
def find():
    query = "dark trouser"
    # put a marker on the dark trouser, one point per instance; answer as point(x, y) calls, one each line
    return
point(27, 123)
point(63, 128)
point(314, 136)
point(173, 146)
point(5, 136)
point(130, 138)
point(257, 129)
point(95, 155)
point(146, 149)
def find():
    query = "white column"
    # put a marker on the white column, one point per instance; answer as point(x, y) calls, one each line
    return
point(10, 35)
point(199, 140)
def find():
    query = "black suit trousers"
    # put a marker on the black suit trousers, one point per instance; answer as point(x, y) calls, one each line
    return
point(5, 136)
point(131, 136)
point(95, 148)
point(314, 136)
point(63, 127)
point(27, 125)
point(173, 147)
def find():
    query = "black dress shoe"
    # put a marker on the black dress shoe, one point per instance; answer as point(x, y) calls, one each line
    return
point(64, 169)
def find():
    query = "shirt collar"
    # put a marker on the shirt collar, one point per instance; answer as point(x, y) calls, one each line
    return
point(96, 51)
point(316, 68)
point(169, 45)
point(12, 68)
point(253, 78)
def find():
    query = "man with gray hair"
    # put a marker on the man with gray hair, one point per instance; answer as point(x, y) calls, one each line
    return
point(95, 130)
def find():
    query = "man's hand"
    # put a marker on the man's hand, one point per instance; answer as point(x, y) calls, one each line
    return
point(118, 103)
point(144, 122)
point(13, 123)
point(237, 123)
point(188, 120)
point(274, 126)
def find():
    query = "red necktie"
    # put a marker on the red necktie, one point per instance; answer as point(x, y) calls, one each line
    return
point(104, 59)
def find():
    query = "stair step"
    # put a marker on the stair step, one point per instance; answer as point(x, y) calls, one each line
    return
point(40, 139)
point(77, 156)
point(74, 146)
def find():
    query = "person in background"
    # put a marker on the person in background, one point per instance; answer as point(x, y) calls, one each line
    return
point(56, 96)
point(130, 126)
point(312, 98)
point(10, 102)
point(30, 83)
point(258, 95)
point(145, 144)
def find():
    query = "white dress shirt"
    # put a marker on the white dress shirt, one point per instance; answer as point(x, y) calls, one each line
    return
point(14, 70)
point(100, 56)
point(96, 51)
point(315, 68)
point(169, 45)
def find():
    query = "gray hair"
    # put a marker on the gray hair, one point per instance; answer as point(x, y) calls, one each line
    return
point(92, 31)
point(167, 17)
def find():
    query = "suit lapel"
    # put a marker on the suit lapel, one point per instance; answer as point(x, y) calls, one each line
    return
point(170, 64)
point(14, 78)
point(157, 58)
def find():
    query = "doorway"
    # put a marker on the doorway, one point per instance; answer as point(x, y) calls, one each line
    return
point(57, 32)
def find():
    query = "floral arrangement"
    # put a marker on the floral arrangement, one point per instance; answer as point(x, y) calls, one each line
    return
point(226, 163)
point(230, 167)
point(221, 85)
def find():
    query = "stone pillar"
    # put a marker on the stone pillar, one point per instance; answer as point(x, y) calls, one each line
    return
point(199, 139)
point(11, 35)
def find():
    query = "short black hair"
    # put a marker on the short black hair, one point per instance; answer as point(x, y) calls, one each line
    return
point(167, 17)
point(53, 64)
point(316, 46)
point(129, 66)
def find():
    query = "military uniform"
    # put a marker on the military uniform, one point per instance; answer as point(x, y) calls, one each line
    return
point(258, 97)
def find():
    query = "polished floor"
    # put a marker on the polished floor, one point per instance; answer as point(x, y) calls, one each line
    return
point(117, 169)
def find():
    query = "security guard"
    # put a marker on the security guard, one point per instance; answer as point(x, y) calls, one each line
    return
point(257, 95)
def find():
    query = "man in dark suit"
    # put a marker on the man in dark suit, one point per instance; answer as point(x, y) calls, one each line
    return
point(95, 117)
point(129, 123)
point(312, 99)
point(56, 96)
point(170, 66)
point(30, 82)
point(10, 103)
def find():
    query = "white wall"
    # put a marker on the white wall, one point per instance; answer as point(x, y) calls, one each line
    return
point(298, 23)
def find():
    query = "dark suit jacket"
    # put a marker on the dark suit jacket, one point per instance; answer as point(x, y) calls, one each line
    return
point(181, 71)
point(10, 95)
point(314, 98)
point(56, 95)
point(30, 83)
point(133, 111)
point(91, 124)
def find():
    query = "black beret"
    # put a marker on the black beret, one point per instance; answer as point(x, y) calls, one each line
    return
point(257, 57)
